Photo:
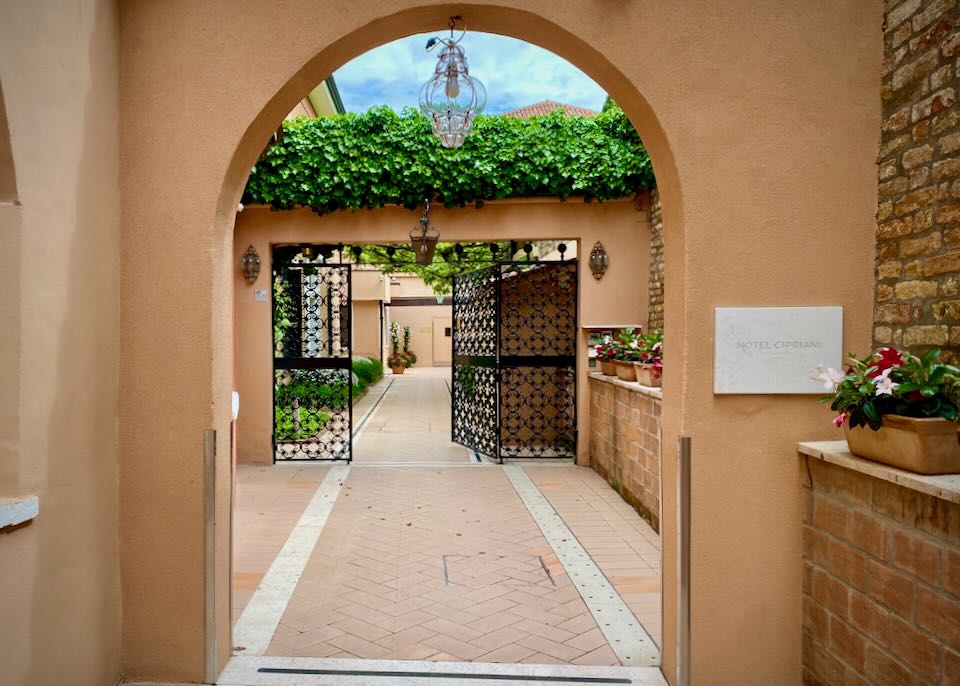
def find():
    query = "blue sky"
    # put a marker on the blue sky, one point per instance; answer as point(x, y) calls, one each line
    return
point(515, 73)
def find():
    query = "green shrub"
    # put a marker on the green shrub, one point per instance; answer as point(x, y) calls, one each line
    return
point(367, 371)
point(311, 423)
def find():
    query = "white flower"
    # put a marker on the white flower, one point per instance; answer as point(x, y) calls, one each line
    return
point(885, 384)
point(830, 377)
point(606, 339)
point(634, 343)
point(593, 352)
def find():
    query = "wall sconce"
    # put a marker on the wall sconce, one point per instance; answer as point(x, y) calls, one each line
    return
point(250, 264)
point(599, 260)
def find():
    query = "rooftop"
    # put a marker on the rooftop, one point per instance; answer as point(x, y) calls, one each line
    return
point(544, 107)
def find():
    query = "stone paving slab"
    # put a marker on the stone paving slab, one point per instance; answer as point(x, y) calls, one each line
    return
point(412, 423)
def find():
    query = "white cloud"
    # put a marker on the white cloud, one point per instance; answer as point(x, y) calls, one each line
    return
point(515, 74)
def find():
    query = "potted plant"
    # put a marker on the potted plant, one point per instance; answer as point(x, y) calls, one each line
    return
point(650, 365)
point(604, 352)
point(397, 363)
point(899, 409)
point(627, 350)
point(411, 358)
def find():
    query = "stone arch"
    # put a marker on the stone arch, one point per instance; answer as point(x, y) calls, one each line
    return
point(724, 97)
point(517, 23)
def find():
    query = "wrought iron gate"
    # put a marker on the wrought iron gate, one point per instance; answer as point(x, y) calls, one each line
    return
point(312, 375)
point(514, 359)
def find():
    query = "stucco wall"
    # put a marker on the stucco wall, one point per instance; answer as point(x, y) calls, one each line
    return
point(749, 111)
point(366, 328)
point(619, 297)
point(59, 574)
point(420, 320)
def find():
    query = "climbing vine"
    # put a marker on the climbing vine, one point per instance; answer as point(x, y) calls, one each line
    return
point(376, 158)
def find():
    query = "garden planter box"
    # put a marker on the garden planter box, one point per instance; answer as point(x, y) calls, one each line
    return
point(645, 375)
point(925, 446)
point(626, 371)
point(608, 367)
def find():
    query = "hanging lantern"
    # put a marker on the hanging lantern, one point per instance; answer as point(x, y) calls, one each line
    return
point(424, 238)
point(452, 98)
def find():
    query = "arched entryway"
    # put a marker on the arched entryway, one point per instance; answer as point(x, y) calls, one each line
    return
point(722, 97)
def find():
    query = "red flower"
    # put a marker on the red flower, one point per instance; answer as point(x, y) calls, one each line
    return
point(886, 358)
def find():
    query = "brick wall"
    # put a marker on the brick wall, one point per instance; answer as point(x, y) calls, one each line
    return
point(881, 583)
point(918, 217)
point(625, 443)
point(655, 284)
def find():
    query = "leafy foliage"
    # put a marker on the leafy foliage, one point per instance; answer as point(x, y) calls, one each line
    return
point(376, 158)
point(446, 264)
point(893, 382)
point(319, 393)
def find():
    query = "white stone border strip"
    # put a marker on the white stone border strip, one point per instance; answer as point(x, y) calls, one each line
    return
point(626, 636)
point(242, 671)
point(15, 511)
point(254, 630)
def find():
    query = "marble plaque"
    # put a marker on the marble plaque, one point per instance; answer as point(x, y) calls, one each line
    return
point(771, 350)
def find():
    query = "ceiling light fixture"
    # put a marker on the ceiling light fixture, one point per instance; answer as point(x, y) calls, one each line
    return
point(452, 98)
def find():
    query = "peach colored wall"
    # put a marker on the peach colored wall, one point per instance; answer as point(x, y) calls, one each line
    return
point(724, 95)
point(420, 320)
point(59, 573)
point(616, 298)
point(366, 328)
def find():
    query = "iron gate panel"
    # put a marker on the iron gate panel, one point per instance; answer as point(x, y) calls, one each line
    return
point(474, 386)
point(313, 379)
point(515, 365)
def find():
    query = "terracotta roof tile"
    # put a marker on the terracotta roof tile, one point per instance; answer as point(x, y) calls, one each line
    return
point(539, 109)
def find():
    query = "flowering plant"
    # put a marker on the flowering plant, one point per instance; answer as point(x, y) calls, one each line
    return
point(892, 382)
point(605, 350)
point(651, 352)
point(628, 346)
point(397, 360)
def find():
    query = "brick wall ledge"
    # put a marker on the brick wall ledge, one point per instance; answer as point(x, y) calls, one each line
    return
point(629, 385)
point(945, 487)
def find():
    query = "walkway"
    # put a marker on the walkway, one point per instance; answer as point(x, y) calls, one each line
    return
point(412, 422)
point(394, 558)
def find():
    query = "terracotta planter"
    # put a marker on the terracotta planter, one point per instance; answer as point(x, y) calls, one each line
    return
point(645, 375)
point(608, 367)
point(398, 370)
point(925, 446)
point(626, 371)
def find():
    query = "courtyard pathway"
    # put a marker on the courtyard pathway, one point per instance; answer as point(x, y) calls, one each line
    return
point(415, 552)
point(412, 422)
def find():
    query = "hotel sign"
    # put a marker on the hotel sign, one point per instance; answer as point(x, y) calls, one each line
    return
point(775, 349)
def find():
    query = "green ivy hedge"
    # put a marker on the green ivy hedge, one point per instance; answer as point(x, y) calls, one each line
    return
point(376, 158)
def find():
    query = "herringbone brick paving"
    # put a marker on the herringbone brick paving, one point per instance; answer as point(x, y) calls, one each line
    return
point(624, 546)
point(437, 564)
point(440, 563)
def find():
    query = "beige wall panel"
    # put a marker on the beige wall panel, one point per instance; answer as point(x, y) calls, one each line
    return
point(762, 122)
point(420, 320)
point(443, 340)
point(366, 328)
point(59, 574)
